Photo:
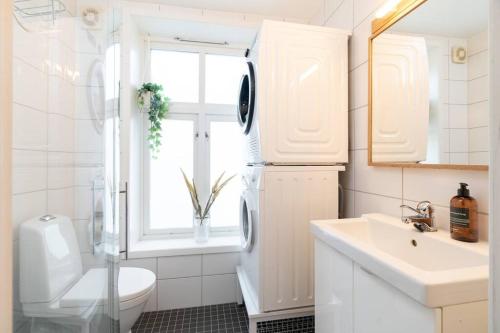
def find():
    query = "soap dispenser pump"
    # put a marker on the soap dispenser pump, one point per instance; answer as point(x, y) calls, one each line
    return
point(463, 216)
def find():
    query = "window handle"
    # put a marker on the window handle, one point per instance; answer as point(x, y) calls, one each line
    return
point(196, 135)
point(206, 135)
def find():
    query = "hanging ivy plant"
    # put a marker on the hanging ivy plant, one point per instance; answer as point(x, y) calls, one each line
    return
point(150, 99)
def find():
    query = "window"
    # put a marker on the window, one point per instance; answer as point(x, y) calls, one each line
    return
point(200, 136)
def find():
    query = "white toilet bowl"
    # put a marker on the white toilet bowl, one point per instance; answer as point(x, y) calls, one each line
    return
point(53, 286)
point(135, 286)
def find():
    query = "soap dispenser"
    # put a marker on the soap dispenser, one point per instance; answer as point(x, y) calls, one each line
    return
point(463, 216)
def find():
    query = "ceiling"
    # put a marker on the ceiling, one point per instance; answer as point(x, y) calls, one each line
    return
point(300, 9)
point(210, 32)
point(449, 18)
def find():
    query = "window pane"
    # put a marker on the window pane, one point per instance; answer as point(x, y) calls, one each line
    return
point(223, 75)
point(178, 73)
point(226, 155)
point(169, 197)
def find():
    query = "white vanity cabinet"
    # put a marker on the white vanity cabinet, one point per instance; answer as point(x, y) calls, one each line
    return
point(350, 299)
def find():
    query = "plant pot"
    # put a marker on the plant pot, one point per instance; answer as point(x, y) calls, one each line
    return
point(201, 229)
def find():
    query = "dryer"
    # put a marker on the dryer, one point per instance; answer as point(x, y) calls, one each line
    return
point(293, 101)
point(276, 205)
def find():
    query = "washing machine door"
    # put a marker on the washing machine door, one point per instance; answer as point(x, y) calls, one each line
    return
point(246, 101)
point(246, 221)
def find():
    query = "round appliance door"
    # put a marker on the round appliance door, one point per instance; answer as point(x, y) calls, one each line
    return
point(246, 221)
point(246, 101)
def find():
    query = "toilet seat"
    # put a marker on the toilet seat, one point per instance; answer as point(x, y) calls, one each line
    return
point(134, 286)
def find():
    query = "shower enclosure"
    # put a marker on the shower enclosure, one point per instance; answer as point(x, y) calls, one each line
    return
point(65, 155)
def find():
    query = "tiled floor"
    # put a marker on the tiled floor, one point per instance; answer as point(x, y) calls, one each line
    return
point(223, 318)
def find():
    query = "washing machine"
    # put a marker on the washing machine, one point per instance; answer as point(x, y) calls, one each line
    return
point(293, 100)
point(276, 205)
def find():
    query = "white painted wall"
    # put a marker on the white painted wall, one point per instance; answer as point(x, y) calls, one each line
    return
point(378, 189)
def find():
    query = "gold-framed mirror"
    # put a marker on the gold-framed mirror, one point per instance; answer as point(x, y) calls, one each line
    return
point(428, 85)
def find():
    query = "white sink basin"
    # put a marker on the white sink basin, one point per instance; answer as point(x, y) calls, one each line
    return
point(430, 267)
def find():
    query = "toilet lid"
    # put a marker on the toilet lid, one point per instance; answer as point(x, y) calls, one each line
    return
point(92, 287)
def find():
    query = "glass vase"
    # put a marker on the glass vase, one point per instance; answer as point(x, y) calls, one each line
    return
point(201, 229)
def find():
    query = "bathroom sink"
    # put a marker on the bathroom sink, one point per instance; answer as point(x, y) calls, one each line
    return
point(430, 267)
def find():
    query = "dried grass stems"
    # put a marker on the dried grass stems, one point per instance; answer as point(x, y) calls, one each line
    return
point(203, 213)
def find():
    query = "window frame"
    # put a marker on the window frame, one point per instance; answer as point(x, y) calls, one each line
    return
point(202, 114)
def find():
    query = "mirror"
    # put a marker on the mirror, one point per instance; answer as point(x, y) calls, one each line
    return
point(429, 85)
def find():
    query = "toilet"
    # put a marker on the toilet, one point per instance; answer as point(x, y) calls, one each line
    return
point(54, 287)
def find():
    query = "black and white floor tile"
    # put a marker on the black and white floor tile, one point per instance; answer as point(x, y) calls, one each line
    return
point(222, 318)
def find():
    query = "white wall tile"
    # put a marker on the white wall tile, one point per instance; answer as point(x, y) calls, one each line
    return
point(351, 125)
point(349, 203)
point(342, 17)
point(439, 186)
point(458, 92)
point(459, 158)
point(179, 266)
point(478, 89)
point(478, 65)
point(384, 181)
point(61, 201)
point(361, 131)
point(458, 116)
point(220, 263)
point(481, 158)
point(60, 170)
point(219, 289)
point(83, 201)
point(30, 47)
point(478, 114)
point(457, 71)
point(359, 44)
point(27, 206)
point(358, 87)
point(29, 128)
point(179, 293)
point(478, 43)
point(29, 86)
point(363, 9)
point(372, 203)
point(29, 171)
point(459, 140)
point(146, 263)
point(83, 235)
point(331, 6)
point(60, 133)
point(347, 177)
point(318, 18)
point(479, 139)
point(87, 138)
point(61, 96)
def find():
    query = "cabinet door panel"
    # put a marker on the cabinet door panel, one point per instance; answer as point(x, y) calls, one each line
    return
point(401, 99)
point(292, 199)
point(466, 318)
point(381, 308)
point(333, 280)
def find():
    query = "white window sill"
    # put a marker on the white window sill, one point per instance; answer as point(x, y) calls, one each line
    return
point(183, 246)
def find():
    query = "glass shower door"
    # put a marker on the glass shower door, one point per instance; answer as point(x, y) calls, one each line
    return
point(66, 164)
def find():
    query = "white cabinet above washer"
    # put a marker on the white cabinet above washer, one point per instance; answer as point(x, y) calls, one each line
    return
point(300, 81)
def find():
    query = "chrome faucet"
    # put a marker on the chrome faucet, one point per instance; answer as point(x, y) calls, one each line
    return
point(424, 218)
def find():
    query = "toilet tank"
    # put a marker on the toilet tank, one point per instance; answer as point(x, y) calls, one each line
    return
point(49, 258)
